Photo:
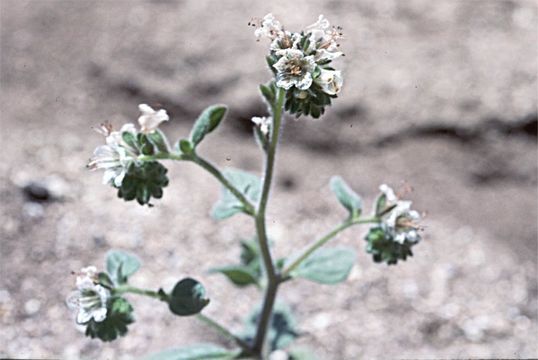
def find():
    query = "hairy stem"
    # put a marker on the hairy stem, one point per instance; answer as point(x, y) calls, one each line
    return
point(127, 289)
point(134, 290)
point(322, 241)
point(206, 165)
point(273, 278)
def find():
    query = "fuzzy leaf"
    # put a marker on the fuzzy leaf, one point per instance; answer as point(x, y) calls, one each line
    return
point(238, 274)
point(208, 120)
point(195, 352)
point(228, 205)
point(327, 265)
point(187, 298)
point(120, 265)
point(158, 139)
point(347, 197)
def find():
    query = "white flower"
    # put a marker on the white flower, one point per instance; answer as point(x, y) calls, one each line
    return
point(294, 69)
point(115, 156)
point(389, 193)
point(400, 222)
point(90, 299)
point(324, 37)
point(115, 138)
point(114, 160)
point(150, 119)
point(322, 24)
point(286, 40)
point(330, 81)
point(269, 27)
point(264, 123)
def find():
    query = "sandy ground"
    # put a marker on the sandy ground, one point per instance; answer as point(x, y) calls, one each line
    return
point(439, 94)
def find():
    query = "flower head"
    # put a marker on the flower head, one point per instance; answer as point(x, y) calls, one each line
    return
point(90, 299)
point(151, 119)
point(294, 69)
point(397, 217)
point(397, 230)
point(300, 62)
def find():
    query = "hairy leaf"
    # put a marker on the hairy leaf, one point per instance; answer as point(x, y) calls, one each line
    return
point(120, 265)
point(208, 120)
point(228, 205)
point(347, 197)
point(327, 265)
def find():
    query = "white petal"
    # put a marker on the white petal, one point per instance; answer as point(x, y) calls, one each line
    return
point(83, 316)
point(305, 82)
point(118, 180)
point(145, 109)
point(99, 314)
point(389, 193)
point(285, 84)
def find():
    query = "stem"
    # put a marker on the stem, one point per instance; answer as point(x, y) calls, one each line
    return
point(322, 241)
point(134, 290)
point(124, 289)
point(249, 208)
point(222, 330)
point(272, 277)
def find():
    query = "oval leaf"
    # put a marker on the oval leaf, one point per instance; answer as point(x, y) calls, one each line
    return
point(347, 197)
point(327, 265)
point(208, 120)
point(237, 274)
point(187, 298)
point(120, 265)
point(195, 352)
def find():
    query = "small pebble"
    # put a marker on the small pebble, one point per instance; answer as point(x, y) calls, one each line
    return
point(33, 210)
point(32, 306)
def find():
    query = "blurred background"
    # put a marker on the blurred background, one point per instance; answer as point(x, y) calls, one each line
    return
point(439, 94)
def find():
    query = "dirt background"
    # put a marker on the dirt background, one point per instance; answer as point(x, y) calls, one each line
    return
point(441, 94)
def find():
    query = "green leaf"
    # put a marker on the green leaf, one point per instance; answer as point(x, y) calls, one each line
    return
point(187, 298)
point(228, 205)
point(105, 280)
point(185, 146)
point(327, 265)
point(120, 265)
point(208, 120)
point(282, 330)
point(238, 274)
point(119, 315)
point(195, 352)
point(158, 139)
point(347, 197)
point(268, 93)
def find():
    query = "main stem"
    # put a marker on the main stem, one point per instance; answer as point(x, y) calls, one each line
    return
point(273, 278)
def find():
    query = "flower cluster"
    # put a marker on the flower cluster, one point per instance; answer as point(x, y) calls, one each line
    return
point(90, 299)
point(397, 231)
point(119, 156)
point(99, 310)
point(300, 62)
